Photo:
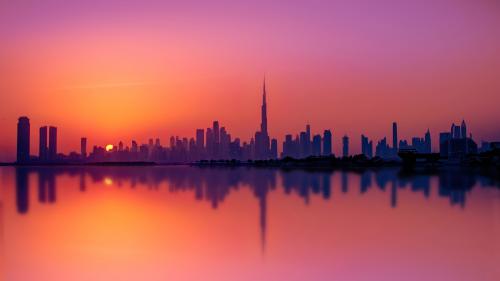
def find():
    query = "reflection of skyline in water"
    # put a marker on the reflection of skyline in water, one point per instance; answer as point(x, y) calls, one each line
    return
point(215, 184)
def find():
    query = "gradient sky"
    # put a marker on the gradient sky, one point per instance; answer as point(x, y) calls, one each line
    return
point(123, 70)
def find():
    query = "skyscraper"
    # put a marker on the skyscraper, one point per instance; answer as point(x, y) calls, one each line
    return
point(200, 142)
point(395, 137)
point(455, 131)
point(463, 130)
point(23, 139)
point(345, 146)
point(83, 148)
point(52, 143)
point(427, 141)
point(216, 141)
point(316, 145)
point(135, 147)
point(262, 142)
point(216, 131)
point(307, 144)
point(366, 146)
point(42, 148)
point(274, 149)
point(327, 143)
point(209, 143)
point(383, 150)
point(303, 145)
point(225, 139)
point(263, 123)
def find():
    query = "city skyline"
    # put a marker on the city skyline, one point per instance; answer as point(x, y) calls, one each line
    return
point(355, 147)
point(160, 69)
point(249, 140)
point(217, 143)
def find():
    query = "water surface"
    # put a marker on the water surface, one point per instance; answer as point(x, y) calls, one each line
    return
point(188, 223)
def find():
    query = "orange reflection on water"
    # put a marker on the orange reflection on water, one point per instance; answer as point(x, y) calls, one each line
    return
point(148, 225)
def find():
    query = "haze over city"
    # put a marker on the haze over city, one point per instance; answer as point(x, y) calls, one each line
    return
point(130, 70)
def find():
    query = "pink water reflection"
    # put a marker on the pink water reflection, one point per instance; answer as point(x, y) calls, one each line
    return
point(181, 223)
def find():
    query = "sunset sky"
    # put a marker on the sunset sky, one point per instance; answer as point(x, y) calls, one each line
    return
point(123, 70)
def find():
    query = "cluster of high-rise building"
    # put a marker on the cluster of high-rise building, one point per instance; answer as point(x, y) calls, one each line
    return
point(455, 144)
point(211, 143)
point(303, 146)
point(216, 143)
point(47, 149)
point(385, 151)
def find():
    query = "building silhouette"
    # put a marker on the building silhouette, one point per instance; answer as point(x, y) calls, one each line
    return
point(52, 143)
point(345, 146)
point(274, 149)
point(216, 140)
point(419, 145)
point(455, 144)
point(23, 140)
point(383, 150)
point(427, 142)
point(395, 138)
point(262, 141)
point(327, 143)
point(83, 148)
point(444, 139)
point(463, 130)
point(316, 145)
point(43, 148)
point(200, 144)
point(366, 146)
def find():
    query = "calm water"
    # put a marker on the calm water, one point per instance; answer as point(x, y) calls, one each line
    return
point(186, 223)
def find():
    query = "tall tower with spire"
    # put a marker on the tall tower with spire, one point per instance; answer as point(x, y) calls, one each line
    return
point(262, 142)
point(263, 123)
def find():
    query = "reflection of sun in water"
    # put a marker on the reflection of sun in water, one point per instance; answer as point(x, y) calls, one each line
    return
point(109, 147)
point(108, 181)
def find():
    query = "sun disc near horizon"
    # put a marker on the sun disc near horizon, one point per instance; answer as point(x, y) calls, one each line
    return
point(109, 147)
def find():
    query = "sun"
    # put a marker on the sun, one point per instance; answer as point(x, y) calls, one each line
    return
point(109, 147)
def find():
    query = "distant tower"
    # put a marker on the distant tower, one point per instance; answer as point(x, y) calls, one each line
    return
point(463, 130)
point(327, 143)
point(263, 123)
point(395, 137)
point(216, 142)
point(428, 144)
point(316, 145)
point(209, 139)
point(200, 141)
point(83, 147)
point(274, 149)
point(366, 146)
point(345, 146)
point(216, 131)
point(262, 141)
point(42, 148)
point(23, 139)
point(307, 141)
point(52, 143)
point(455, 131)
point(135, 147)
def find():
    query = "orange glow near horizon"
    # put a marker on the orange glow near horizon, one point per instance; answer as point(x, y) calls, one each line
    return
point(166, 69)
point(109, 147)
